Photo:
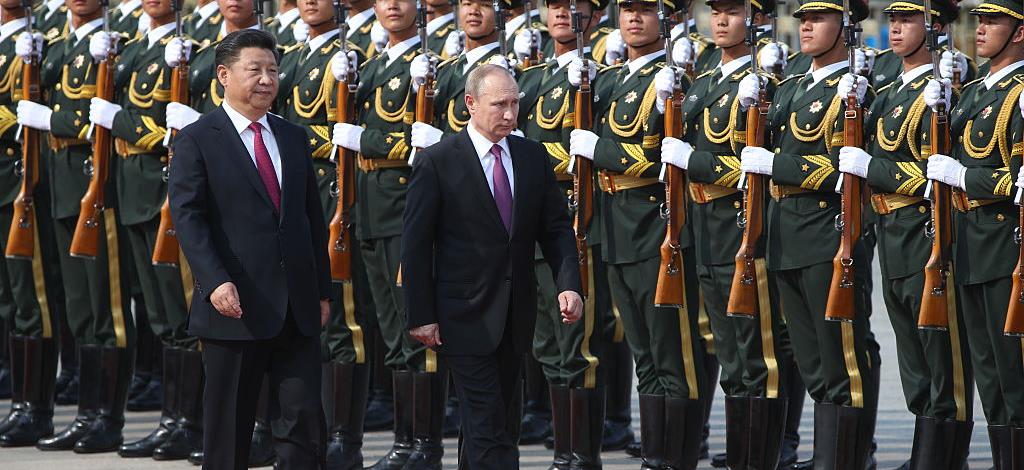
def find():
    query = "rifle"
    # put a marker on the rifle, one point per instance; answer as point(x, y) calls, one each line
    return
point(85, 242)
point(165, 248)
point(340, 228)
point(426, 92)
point(21, 238)
point(582, 202)
point(458, 27)
point(257, 9)
point(499, 22)
point(685, 12)
point(777, 70)
point(1014, 325)
point(535, 54)
point(840, 306)
point(934, 314)
point(957, 73)
point(743, 295)
point(670, 291)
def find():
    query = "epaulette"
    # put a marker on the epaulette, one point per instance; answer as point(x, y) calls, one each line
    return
point(1006, 83)
point(797, 76)
point(1019, 78)
point(292, 47)
point(972, 82)
point(880, 90)
point(444, 30)
point(608, 68)
point(366, 29)
point(705, 74)
point(884, 51)
point(446, 62)
point(535, 66)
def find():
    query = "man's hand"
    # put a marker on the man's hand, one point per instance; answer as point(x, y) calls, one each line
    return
point(571, 305)
point(325, 312)
point(225, 299)
point(429, 335)
point(102, 112)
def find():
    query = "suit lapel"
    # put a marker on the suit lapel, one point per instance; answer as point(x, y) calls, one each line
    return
point(283, 148)
point(519, 176)
point(464, 146)
point(242, 158)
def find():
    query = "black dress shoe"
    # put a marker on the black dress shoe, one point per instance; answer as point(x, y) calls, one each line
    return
point(28, 427)
point(104, 435)
point(803, 465)
point(196, 458)
point(261, 451)
point(144, 447)
point(149, 398)
point(534, 430)
point(69, 394)
point(633, 450)
point(67, 438)
point(617, 436)
point(788, 455)
point(719, 461)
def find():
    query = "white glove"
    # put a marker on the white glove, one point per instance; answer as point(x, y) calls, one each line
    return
point(424, 135)
point(749, 91)
point(664, 85)
point(180, 116)
point(850, 83)
point(864, 61)
point(102, 44)
point(453, 44)
point(947, 62)
point(508, 64)
point(1020, 178)
point(756, 160)
point(521, 44)
point(772, 55)
point(518, 133)
point(947, 170)
point(575, 71)
point(683, 52)
point(347, 135)
point(34, 115)
point(341, 64)
point(102, 112)
point(676, 152)
point(1021, 104)
point(614, 47)
point(27, 45)
point(420, 67)
point(379, 35)
point(937, 92)
point(174, 49)
point(582, 142)
point(854, 160)
point(300, 30)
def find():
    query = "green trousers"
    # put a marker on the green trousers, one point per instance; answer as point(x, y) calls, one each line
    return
point(164, 288)
point(346, 335)
point(998, 369)
point(31, 288)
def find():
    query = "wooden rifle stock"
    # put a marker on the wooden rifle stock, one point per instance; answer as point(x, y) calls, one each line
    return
point(935, 297)
point(165, 249)
point(21, 238)
point(743, 295)
point(670, 290)
point(1014, 325)
point(340, 244)
point(583, 185)
point(85, 242)
point(840, 306)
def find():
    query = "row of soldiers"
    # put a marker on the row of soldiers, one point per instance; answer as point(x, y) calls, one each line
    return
point(396, 50)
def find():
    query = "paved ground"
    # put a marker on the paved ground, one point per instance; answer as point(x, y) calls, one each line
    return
point(894, 431)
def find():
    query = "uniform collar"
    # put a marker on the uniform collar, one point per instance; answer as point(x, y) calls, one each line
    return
point(992, 79)
point(53, 5)
point(906, 78)
point(565, 58)
point(358, 19)
point(436, 23)
point(396, 51)
point(128, 6)
point(679, 29)
point(733, 65)
point(482, 145)
point(156, 34)
point(11, 27)
point(520, 20)
point(285, 19)
point(206, 11)
point(224, 29)
point(634, 65)
point(241, 122)
point(474, 55)
point(317, 42)
point(82, 31)
point(818, 75)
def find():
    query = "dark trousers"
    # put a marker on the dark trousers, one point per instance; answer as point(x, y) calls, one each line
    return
point(490, 391)
point(234, 375)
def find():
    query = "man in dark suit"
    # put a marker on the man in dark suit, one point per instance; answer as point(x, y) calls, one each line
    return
point(478, 203)
point(248, 216)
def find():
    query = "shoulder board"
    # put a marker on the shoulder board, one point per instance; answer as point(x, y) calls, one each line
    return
point(366, 29)
point(287, 49)
point(609, 68)
point(738, 75)
point(444, 30)
point(972, 82)
point(797, 76)
point(705, 74)
point(883, 51)
point(536, 66)
point(1019, 78)
point(880, 90)
point(449, 61)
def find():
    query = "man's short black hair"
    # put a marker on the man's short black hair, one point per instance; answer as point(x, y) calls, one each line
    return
point(230, 48)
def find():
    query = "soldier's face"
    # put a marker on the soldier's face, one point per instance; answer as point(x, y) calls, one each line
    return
point(157, 8)
point(83, 7)
point(431, 4)
point(476, 17)
point(728, 24)
point(819, 32)
point(993, 33)
point(396, 15)
point(9, 4)
point(316, 12)
point(906, 33)
point(252, 80)
point(560, 19)
point(236, 11)
point(495, 110)
point(638, 23)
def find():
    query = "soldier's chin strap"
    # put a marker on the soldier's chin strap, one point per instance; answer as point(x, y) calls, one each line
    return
point(836, 41)
point(1009, 39)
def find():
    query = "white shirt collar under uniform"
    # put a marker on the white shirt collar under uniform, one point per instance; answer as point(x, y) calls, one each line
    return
point(993, 78)
point(317, 42)
point(567, 57)
point(241, 124)
point(285, 19)
point(732, 66)
point(224, 29)
point(206, 11)
point(128, 6)
point(396, 51)
point(11, 27)
point(483, 151)
point(679, 29)
point(520, 20)
point(640, 62)
point(359, 19)
point(474, 55)
point(908, 77)
point(156, 34)
point(82, 31)
point(818, 75)
point(52, 6)
point(436, 23)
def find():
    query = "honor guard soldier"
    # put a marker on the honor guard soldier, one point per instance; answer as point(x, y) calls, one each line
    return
point(747, 348)
point(889, 66)
point(51, 19)
point(204, 23)
point(692, 49)
point(125, 18)
point(286, 26)
point(571, 356)
point(36, 308)
point(361, 18)
point(93, 280)
point(385, 105)
point(142, 84)
point(625, 150)
point(519, 31)
point(440, 23)
point(934, 364)
point(835, 360)
point(986, 156)
point(307, 98)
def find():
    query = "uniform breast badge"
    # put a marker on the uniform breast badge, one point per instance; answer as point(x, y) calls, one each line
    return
point(815, 107)
point(152, 68)
point(556, 93)
point(631, 97)
point(985, 113)
point(79, 61)
point(394, 83)
point(313, 74)
point(724, 101)
point(897, 112)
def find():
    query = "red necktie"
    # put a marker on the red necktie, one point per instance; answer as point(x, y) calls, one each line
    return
point(265, 167)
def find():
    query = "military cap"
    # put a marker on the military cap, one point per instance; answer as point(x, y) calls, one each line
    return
point(1011, 8)
point(671, 5)
point(858, 8)
point(597, 4)
point(763, 6)
point(943, 11)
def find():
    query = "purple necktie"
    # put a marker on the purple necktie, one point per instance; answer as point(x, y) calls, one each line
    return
point(502, 189)
point(265, 167)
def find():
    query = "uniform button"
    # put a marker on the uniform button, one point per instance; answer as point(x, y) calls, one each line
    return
point(653, 199)
point(822, 204)
point(922, 209)
point(163, 159)
point(568, 192)
point(736, 204)
point(10, 151)
point(402, 180)
point(58, 87)
point(1000, 217)
point(777, 149)
point(56, 107)
point(321, 172)
point(783, 127)
point(366, 105)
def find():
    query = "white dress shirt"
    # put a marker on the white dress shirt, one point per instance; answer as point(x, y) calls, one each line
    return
point(483, 152)
point(908, 77)
point(474, 55)
point(82, 31)
point(634, 66)
point(154, 35)
point(205, 12)
point(11, 27)
point(319, 41)
point(732, 66)
point(818, 75)
point(993, 78)
point(359, 19)
point(397, 50)
point(286, 19)
point(242, 123)
point(436, 23)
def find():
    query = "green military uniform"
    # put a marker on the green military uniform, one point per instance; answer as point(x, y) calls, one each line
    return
point(125, 18)
point(285, 35)
point(438, 30)
point(51, 24)
point(835, 359)
point(143, 87)
point(203, 31)
point(935, 374)
point(888, 67)
point(101, 320)
point(706, 55)
point(359, 34)
point(33, 304)
point(990, 128)
point(665, 341)
point(546, 48)
point(599, 38)
point(307, 98)
point(450, 112)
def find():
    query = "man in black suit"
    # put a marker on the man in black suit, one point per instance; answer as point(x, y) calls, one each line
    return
point(478, 203)
point(248, 216)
